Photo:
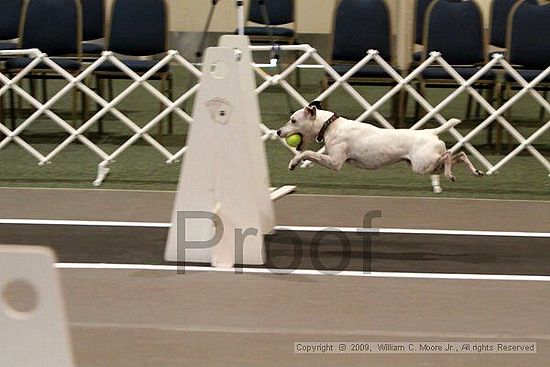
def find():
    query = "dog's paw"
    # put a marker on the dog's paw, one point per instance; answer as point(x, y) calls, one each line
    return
point(479, 173)
point(295, 162)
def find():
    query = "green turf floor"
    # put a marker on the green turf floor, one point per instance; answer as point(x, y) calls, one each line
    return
point(141, 167)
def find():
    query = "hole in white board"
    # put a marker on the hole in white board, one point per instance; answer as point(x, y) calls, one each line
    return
point(19, 298)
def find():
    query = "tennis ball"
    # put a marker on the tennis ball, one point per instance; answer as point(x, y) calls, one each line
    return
point(294, 140)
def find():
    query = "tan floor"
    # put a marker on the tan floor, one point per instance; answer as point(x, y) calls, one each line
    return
point(150, 318)
point(308, 210)
point(128, 318)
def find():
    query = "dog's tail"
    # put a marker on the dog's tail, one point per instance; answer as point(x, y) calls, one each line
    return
point(446, 126)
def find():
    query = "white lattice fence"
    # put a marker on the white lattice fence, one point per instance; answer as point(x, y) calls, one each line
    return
point(107, 106)
point(308, 54)
point(433, 112)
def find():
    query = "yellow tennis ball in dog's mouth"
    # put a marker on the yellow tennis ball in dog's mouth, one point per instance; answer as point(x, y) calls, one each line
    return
point(294, 140)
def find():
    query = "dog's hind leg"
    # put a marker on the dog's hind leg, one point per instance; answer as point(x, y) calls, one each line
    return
point(463, 158)
point(447, 161)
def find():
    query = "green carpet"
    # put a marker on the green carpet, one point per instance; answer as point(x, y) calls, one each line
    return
point(141, 167)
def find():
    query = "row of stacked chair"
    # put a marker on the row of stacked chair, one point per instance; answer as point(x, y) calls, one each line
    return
point(70, 30)
point(456, 29)
point(518, 28)
point(138, 28)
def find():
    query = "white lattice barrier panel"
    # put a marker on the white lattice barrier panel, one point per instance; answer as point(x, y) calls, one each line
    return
point(403, 83)
point(78, 82)
point(307, 54)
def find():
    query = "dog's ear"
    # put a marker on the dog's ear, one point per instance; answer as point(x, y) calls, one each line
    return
point(316, 104)
point(310, 112)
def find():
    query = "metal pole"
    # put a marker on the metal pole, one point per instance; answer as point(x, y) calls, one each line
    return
point(240, 17)
point(199, 52)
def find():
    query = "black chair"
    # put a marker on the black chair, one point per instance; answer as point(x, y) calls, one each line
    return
point(269, 17)
point(419, 15)
point(361, 25)
point(528, 38)
point(277, 13)
point(10, 14)
point(93, 27)
point(528, 46)
point(58, 34)
point(500, 12)
point(139, 32)
point(455, 29)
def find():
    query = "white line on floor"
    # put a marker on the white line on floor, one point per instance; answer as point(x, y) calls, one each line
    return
point(332, 332)
point(92, 223)
point(450, 232)
point(175, 268)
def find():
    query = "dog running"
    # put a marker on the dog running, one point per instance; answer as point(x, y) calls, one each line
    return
point(370, 147)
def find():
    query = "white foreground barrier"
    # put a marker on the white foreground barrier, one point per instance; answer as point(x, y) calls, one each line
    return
point(224, 187)
point(33, 329)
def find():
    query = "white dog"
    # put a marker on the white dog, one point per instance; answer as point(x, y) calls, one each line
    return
point(370, 147)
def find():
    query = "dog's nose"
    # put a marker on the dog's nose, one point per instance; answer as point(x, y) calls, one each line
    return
point(279, 132)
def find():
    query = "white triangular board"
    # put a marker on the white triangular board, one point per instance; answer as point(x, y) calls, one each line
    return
point(40, 336)
point(253, 117)
point(221, 171)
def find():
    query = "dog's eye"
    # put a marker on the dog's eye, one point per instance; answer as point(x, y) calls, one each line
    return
point(293, 121)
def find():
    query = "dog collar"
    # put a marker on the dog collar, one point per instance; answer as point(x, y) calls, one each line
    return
point(321, 136)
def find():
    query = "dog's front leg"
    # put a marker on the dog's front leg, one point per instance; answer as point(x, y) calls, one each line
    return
point(334, 161)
